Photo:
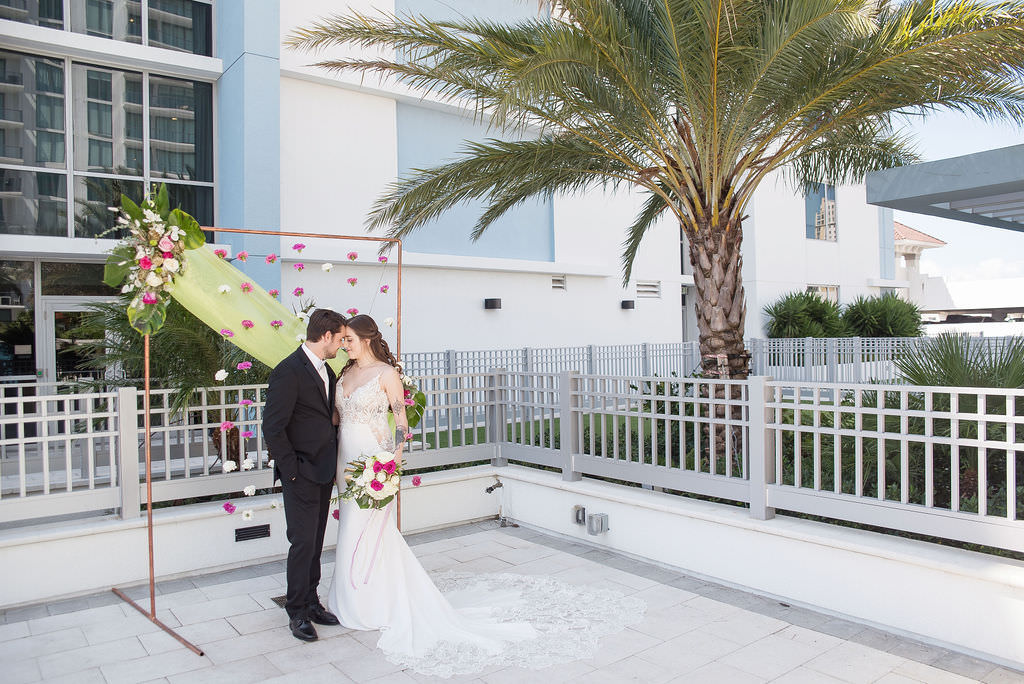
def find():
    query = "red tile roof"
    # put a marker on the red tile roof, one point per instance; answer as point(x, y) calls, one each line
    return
point(904, 232)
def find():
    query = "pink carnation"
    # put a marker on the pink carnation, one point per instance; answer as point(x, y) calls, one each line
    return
point(298, 292)
point(145, 263)
point(243, 256)
point(352, 256)
point(229, 507)
point(276, 324)
point(274, 293)
point(382, 259)
point(244, 365)
point(271, 258)
point(247, 324)
point(352, 312)
point(226, 332)
point(245, 402)
point(384, 289)
point(376, 486)
point(245, 287)
point(149, 298)
point(247, 434)
point(298, 246)
point(226, 425)
point(299, 266)
point(222, 253)
point(416, 480)
point(352, 281)
point(336, 514)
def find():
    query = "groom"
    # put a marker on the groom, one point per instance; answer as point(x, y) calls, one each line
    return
point(303, 441)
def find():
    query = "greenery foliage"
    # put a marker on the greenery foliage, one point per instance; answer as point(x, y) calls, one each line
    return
point(885, 316)
point(958, 360)
point(804, 314)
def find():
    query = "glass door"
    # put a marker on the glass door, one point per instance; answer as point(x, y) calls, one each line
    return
point(61, 332)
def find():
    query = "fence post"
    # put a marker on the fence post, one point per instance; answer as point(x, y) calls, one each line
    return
point(755, 356)
point(449, 362)
point(128, 452)
point(527, 359)
point(761, 448)
point(645, 355)
point(591, 359)
point(832, 358)
point(495, 412)
point(809, 359)
point(568, 423)
point(858, 360)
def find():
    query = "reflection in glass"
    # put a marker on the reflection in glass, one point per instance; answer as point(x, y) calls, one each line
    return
point(17, 321)
point(117, 19)
point(33, 203)
point(181, 129)
point(48, 13)
point(195, 200)
point(108, 131)
point(73, 278)
point(820, 212)
point(31, 110)
point(93, 196)
point(180, 25)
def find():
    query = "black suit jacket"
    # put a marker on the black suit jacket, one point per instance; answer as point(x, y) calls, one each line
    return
point(297, 423)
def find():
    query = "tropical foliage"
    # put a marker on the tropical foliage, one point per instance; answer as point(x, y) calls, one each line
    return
point(958, 360)
point(693, 103)
point(885, 316)
point(804, 314)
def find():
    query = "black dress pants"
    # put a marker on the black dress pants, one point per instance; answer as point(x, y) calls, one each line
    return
point(305, 511)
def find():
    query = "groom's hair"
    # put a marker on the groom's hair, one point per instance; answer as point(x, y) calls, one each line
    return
point(323, 321)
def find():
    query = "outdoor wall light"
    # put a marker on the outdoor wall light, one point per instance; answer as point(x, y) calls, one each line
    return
point(579, 515)
point(492, 303)
point(628, 304)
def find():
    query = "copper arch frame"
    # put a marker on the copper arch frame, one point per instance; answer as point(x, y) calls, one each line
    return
point(151, 614)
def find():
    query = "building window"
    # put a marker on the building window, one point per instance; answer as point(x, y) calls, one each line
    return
point(48, 13)
point(17, 320)
point(42, 192)
point(827, 292)
point(820, 212)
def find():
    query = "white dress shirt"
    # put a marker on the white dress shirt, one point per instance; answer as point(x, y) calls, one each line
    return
point(321, 367)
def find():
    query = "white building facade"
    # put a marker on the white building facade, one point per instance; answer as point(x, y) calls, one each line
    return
point(202, 96)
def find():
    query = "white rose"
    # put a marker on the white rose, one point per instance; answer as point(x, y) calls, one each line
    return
point(250, 490)
point(247, 464)
point(224, 289)
point(248, 515)
point(326, 268)
point(393, 480)
point(382, 477)
point(171, 265)
point(229, 466)
point(154, 280)
point(221, 375)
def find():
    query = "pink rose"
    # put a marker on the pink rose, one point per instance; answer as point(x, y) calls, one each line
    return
point(274, 293)
point(384, 289)
point(298, 292)
point(382, 259)
point(165, 244)
point(377, 466)
point(222, 253)
point(352, 312)
point(389, 467)
point(247, 324)
point(410, 402)
point(149, 298)
point(244, 365)
point(247, 434)
point(167, 255)
point(352, 281)
point(416, 480)
point(229, 507)
point(145, 263)
point(226, 425)
point(243, 256)
point(376, 486)
point(352, 256)
point(271, 258)
point(336, 514)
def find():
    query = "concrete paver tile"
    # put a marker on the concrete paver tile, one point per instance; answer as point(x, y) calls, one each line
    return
point(95, 655)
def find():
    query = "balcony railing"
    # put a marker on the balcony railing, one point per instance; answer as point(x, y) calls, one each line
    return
point(945, 462)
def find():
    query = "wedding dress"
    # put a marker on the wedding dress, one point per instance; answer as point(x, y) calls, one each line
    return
point(464, 622)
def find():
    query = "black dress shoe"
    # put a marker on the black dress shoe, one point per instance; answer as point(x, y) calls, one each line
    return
point(302, 629)
point(322, 616)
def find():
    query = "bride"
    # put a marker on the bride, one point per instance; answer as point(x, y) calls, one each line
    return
point(480, 620)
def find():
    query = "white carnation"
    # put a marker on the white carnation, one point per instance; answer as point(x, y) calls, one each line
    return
point(326, 268)
point(250, 490)
point(270, 463)
point(224, 289)
point(389, 322)
point(300, 338)
point(248, 515)
point(229, 466)
point(221, 375)
point(247, 464)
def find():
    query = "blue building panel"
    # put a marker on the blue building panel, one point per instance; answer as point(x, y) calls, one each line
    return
point(428, 137)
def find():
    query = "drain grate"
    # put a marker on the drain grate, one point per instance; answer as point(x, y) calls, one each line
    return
point(280, 600)
point(254, 532)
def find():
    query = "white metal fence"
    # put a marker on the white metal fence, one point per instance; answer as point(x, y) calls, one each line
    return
point(947, 462)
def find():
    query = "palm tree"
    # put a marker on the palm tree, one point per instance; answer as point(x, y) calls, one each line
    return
point(692, 102)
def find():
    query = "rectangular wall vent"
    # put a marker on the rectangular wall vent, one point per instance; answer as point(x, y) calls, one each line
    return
point(254, 532)
point(648, 289)
point(558, 282)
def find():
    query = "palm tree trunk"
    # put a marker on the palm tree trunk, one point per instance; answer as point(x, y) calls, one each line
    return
point(721, 307)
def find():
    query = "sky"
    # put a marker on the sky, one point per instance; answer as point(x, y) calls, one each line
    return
point(973, 252)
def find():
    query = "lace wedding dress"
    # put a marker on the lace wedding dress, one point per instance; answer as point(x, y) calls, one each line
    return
point(463, 622)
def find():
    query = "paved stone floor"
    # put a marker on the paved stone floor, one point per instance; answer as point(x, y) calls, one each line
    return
point(693, 631)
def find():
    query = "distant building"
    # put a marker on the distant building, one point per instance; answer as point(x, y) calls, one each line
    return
point(928, 292)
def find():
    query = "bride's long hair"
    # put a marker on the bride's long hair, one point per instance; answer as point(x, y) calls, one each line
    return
point(366, 328)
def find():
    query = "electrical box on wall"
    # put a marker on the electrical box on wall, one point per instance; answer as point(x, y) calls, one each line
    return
point(597, 523)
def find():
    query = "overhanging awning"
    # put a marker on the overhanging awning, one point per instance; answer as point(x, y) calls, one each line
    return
point(985, 188)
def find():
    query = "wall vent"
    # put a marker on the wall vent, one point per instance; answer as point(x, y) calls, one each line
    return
point(254, 532)
point(558, 282)
point(648, 289)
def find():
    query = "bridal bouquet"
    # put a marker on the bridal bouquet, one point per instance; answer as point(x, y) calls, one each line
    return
point(374, 480)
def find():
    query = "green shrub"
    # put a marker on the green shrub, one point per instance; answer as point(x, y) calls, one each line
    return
point(885, 316)
point(804, 314)
point(955, 360)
